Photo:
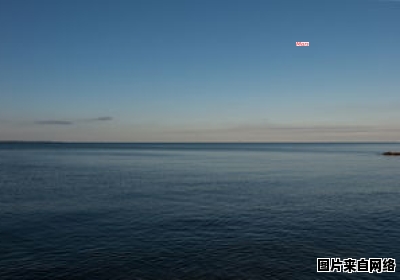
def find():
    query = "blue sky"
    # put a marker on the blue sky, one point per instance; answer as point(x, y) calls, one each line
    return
point(200, 70)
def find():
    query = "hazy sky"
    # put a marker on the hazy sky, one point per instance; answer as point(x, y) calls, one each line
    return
point(199, 70)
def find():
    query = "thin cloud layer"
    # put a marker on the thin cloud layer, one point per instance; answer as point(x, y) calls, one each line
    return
point(69, 122)
point(53, 122)
point(277, 127)
point(291, 132)
point(103, 119)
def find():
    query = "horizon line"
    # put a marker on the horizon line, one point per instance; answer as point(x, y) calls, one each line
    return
point(203, 142)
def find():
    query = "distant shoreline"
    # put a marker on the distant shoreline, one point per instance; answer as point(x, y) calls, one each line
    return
point(186, 143)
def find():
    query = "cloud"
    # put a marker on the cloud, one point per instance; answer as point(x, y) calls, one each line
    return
point(54, 122)
point(102, 119)
point(70, 122)
point(278, 129)
point(275, 127)
point(325, 128)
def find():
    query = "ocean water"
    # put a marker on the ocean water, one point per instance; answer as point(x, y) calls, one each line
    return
point(195, 211)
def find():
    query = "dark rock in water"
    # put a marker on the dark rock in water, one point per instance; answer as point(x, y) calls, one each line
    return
point(391, 154)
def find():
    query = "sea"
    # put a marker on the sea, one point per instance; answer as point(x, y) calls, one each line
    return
point(197, 211)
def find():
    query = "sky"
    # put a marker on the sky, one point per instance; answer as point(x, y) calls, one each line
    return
point(200, 70)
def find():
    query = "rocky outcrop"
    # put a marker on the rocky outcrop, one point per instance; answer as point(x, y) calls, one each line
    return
point(391, 154)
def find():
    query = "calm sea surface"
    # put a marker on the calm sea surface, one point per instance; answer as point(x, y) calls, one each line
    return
point(195, 211)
